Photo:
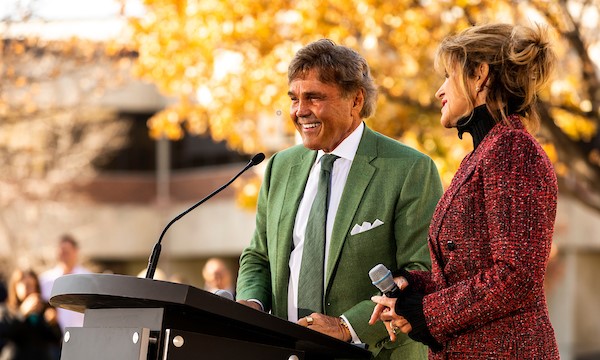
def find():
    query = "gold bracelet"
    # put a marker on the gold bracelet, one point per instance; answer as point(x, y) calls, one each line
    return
point(346, 326)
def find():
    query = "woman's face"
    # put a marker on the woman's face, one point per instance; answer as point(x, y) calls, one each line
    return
point(454, 102)
point(25, 287)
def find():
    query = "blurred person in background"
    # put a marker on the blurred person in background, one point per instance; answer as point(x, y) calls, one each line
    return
point(491, 233)
point(3, 292)
point(159, 274)
point(68, 263)
point(28, 324)
point(3, 296)
point(217, 276)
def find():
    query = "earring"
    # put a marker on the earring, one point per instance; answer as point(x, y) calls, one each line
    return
point(478, 89)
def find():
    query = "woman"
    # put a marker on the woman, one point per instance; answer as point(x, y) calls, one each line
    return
point(491, 233)
point(27, 323)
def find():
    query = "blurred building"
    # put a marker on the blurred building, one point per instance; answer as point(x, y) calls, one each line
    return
point(573, 288)
point(148, 183)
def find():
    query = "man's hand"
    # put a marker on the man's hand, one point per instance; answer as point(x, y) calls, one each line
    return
point(327, 325)
point(252, 304)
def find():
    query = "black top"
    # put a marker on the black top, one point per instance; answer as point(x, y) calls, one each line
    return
point(478, 124)
point(28, 337)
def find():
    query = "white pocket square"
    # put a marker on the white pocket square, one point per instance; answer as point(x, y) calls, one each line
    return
point(357, 229)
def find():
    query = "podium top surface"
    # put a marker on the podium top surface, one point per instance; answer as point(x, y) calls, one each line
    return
point(88, 291)
point(79, 292)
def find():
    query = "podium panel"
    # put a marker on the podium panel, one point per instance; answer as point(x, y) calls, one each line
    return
point(105, 343)
point(147, 319)
point(183, 345)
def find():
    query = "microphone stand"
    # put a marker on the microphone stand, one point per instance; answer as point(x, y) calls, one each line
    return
point(153, 260)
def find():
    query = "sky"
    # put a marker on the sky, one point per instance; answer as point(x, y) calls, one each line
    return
point(56, 19)
point(68, 9)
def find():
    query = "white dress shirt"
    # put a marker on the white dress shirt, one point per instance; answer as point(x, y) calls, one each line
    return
point(66, 318)
point(346, 151)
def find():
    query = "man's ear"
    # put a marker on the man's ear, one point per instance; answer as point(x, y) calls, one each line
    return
point(359, 100)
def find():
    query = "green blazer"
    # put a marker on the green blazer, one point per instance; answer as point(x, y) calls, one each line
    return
point(387, 181)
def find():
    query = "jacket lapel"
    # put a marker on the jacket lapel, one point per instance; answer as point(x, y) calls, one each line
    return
point(463, 174)
point(359, 177)
point(295, 184)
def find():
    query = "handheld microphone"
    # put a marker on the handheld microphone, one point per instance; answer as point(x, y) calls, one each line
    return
point(224, 294)
point(382, 278)
point(153, 260)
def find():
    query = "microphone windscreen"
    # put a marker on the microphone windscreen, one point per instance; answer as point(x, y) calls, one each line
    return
point(382, 278)
point(224, 294)
point(258, 158)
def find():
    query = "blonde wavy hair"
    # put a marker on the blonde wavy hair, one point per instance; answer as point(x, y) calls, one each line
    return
point(520, 63)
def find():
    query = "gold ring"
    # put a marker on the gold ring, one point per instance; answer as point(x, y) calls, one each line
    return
point(394, 329)
point(402, 284)
point(309, 320)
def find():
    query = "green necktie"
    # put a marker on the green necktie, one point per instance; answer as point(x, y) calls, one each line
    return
point(311, 282)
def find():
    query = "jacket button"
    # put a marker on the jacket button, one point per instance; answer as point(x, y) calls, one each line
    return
point(450, 245)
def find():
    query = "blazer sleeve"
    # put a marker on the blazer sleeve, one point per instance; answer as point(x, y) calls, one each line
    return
point(519, 194)
point(419, 196)
point(254, 277)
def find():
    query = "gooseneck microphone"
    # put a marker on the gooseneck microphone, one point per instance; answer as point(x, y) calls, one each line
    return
point(153, 260)
point(382, 278)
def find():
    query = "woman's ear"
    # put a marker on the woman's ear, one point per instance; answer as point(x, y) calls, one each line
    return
point(483, 73)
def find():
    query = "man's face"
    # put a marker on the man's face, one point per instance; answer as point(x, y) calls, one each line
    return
point(322, 116)
point(25, 287)
point(67, 253)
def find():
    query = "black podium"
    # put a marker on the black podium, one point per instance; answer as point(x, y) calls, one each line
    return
point(134, 318)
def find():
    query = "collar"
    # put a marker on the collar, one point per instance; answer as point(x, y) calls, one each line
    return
point(347, 148)
point(478, 124)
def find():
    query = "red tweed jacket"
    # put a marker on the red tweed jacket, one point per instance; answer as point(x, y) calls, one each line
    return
point(490, 239)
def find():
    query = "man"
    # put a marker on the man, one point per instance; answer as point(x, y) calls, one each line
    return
point(217, 276)
point(381, 198)
point(68, 263)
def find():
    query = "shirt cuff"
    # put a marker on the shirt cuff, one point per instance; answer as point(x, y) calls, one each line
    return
point(355, 338)
point(258, 302)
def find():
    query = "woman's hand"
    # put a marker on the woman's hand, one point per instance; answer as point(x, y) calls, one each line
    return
point(385, 311)
point(384, 304)
point(32, 304)
point(50, 316)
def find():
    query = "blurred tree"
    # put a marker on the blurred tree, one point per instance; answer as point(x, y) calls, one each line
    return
point(226, 62)
point(52, 130)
